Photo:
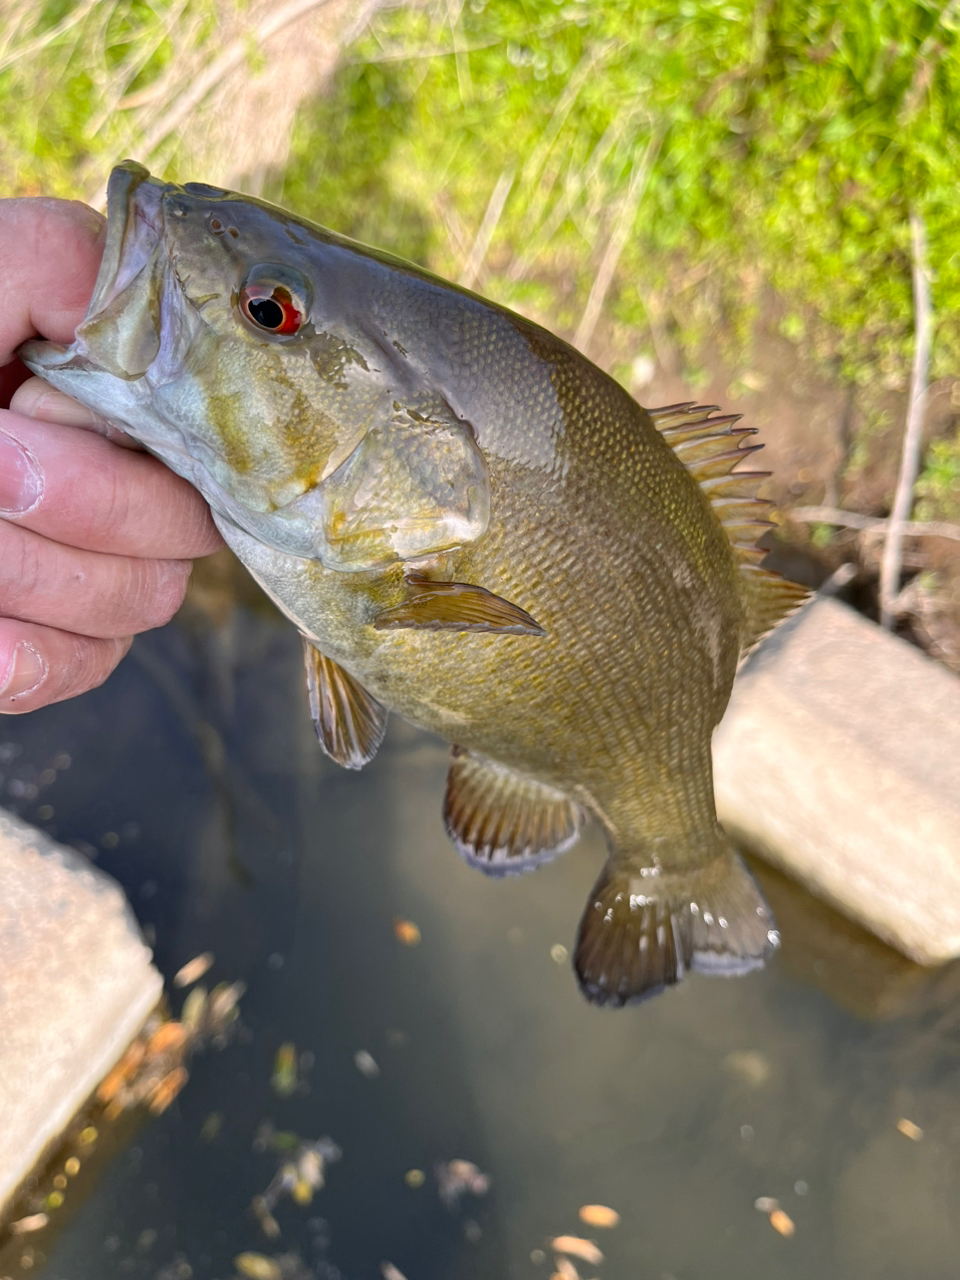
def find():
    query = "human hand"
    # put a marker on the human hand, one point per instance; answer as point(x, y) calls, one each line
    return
point(96, 539)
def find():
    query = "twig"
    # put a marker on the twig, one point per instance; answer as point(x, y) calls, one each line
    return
point(873, 524)
point(488, 226)
point(615, 245)
point(912, 438)
point(841, 577)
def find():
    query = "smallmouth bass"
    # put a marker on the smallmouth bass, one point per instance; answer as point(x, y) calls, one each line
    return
point(471, 525)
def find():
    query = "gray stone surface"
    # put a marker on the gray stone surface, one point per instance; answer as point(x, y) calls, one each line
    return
point(76, 985)
point(839, 761)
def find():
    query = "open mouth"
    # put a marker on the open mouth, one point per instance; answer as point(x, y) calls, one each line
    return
point(134, 232)
point(121, 330)
point(120, 333)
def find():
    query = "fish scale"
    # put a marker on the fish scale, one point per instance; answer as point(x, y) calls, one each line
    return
point(472, 526)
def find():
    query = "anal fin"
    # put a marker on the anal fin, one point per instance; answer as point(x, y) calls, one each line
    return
point(502, 822)
point(349, 722)
point(455, 606)
point(640, 934)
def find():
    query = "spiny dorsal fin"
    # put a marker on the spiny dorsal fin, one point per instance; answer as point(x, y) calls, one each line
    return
point(710, 449)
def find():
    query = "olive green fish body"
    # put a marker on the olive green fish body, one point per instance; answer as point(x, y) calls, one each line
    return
point(472, 526)
point(642, 617)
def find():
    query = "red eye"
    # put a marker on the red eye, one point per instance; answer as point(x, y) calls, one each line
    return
point(271, 307)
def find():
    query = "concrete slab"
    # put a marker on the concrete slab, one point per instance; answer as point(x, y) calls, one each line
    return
point(839, 761)
point(76, 985)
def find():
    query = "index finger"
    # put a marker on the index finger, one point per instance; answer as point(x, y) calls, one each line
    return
point(78, 489)
point(50, 252)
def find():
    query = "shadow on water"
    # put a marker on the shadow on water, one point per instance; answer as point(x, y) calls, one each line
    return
point(196, 781)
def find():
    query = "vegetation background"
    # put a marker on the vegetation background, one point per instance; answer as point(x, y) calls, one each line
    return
point(710, 197)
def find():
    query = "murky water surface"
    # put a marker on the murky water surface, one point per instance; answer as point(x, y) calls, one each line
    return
point(196, 781)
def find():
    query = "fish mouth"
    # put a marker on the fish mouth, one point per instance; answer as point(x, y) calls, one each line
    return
point(121, 331)
point(134, 232)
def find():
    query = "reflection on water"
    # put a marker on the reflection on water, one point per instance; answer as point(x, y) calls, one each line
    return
point(196, 780)
point(852, 966)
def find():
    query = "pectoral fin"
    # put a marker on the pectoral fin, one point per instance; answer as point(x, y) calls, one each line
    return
point(413, 486)
point(455, 606)
point(349, 723)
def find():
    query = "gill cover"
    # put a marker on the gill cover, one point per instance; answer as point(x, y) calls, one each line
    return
point(414, 486)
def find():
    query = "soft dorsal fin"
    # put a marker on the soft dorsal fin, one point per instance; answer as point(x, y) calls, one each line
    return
point(769, 599)
point(710, 448)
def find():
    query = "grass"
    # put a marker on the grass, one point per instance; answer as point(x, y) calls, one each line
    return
point(787, 144)
point(704, 157)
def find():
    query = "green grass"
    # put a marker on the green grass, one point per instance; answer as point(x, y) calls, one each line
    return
point(786, 145)
point(69, 75)
point(938, 489)
point(791, 141)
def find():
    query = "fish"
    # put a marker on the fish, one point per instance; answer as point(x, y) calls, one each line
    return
point(472, 526)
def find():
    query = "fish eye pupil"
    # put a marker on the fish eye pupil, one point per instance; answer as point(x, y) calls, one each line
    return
point(266, 312)
point(272, 308)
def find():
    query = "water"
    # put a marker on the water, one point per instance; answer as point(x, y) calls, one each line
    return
point(196, 781)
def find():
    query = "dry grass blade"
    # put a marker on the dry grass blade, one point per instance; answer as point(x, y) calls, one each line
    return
point(30, 48)
point(579, 179)
point(115, 84)
point(615, 245)
point(220, 67)
point(212, 108)
point(462, 59)
point(530, 177)
point(185, 98)
point(488, 226)
point(403, 54)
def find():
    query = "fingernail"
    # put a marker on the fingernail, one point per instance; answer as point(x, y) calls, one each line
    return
point(26, 671)
point(21, 483)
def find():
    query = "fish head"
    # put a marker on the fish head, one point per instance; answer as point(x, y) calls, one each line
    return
point(221, 335)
